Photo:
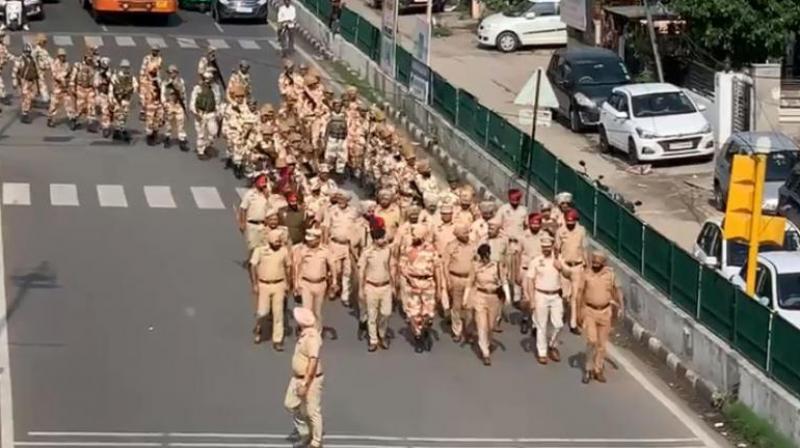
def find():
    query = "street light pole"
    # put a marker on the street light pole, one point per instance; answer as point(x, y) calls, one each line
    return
point(529, 163)
point(651, 30)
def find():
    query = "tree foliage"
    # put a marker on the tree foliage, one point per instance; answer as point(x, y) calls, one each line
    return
point(743, 31)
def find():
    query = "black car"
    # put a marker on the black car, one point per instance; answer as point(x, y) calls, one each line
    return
point(238, 9)
point(582, 79)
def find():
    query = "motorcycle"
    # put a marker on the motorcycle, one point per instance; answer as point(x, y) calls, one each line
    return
point(285, 38)
point(616, 197)
point(14, 12)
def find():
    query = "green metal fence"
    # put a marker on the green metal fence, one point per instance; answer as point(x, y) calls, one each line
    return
point(763, 337)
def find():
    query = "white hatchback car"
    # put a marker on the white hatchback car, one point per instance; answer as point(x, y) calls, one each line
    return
point(531, 22)
point(654, 121)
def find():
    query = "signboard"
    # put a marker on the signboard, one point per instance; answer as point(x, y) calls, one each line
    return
point(573, 13)
point(422, 39)
point(388, 35)
point(544, 117)
point(419, 80)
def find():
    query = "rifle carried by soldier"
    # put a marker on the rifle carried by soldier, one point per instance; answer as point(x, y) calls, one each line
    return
point(175, 91)
point(218, 73)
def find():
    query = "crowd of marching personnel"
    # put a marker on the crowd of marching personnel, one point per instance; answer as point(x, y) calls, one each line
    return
point(422, 248)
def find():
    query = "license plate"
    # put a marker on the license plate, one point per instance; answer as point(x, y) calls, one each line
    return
point(682, 145)
point(244, 10)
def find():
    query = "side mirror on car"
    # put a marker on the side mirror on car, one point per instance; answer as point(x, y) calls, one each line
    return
point(711, 262)
point(701, 107)
point(763, 300)
point(530, 15)
point(621, 115)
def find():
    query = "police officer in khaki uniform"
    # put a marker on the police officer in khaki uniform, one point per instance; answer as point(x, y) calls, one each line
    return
point(444, 231)
point(464, 214)
point(376, 278)
point(295, 218)
point(549, 223)
point(314, 272)
point(513, 218)
point(479, 230)
point(304, 394)
point(563, 203)
point(600, 297)
point(544, 287)
point(501, 254)
point(530, 247)
point(340, 222)
point(389, 212)
point(485, 288)
point(456, 265)
point(270, 277)
point(571, 246)
point(252, 212)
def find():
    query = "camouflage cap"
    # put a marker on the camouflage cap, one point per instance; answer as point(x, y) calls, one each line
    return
point(125, 63)
point(61, 52)
point(41, 38)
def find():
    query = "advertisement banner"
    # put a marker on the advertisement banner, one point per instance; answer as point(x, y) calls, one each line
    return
point(388, 35)
point(419, 80)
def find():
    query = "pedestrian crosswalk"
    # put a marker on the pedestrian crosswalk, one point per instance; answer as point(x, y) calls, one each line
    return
point(105, 41)
point(119, 196)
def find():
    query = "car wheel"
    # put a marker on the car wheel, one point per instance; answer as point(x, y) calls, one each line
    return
point(507, 42)
point(719, 198)
point(605, 148)
point(633, 154)
point(575, 120)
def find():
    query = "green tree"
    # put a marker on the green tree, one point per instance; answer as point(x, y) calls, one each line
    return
point(744, 31)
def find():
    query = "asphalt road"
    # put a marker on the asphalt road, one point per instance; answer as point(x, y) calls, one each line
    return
point(129, 316)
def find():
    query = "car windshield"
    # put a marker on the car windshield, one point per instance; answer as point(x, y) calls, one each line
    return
point(737, 251)
point(606, 71)
point(789, 291)
point(780, 164)
point(660, 104)
point(518, 9)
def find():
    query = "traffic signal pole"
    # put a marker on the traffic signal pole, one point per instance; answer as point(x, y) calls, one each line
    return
point(755, 221)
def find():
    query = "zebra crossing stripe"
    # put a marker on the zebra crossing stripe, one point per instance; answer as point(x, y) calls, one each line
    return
point(62, 41)
point(124, 41)
point(93, 41)
point(185, 42)
point(156, 42)
point(207, 198)
point(248, 44)
point(219, 44)
point(15, 193)
point(111, 196)
point(64, 195)
point(159, 197)
point(241, 191)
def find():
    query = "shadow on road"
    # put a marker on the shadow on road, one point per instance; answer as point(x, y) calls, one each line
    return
point(41, 277)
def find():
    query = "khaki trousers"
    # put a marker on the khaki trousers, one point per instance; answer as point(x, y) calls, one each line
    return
point(458, 313)
point(379, 310)
point(570, 285)
point(548, 308)
point(341, 252)
point(596, 328)
point(487, 310)
point(271, 298)
point(306, 411)
point(313, 295)
point(253, 235)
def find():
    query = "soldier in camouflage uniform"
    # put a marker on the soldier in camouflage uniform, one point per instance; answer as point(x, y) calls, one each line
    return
point(203, 104)
point(207, 62)
point(149, 63)
point(60, 70)
point(356, 142)
point(123, 85)
point(5, 57)
point(43, 61)
point(82, 85)
point(174, 100)
point(26, 78)
point(239, 79)
point(153, 106)
point(336, 133)
point(102, 87)
point(286, 79)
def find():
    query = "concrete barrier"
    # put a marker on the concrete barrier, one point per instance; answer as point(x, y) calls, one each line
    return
point(712, 367)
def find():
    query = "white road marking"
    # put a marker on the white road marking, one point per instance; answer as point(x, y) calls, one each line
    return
point(207, 198)
point(6, 403)
point(104, 28)
point(219, 44)
point(93, 41)
point(185, 42)
point(274, 44)
point(241, 191)
point(156, 42)
point(124, 41)
point(159, 196)
point(62, 41)
point(64, 195)
point(667, 402)
point(112, 444)
point(93, 434)
point(111, 196)
point(249, 44)
point(219, 27)
point(16, 193)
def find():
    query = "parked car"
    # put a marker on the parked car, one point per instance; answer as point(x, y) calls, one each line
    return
point(195, 5)
point(789, 196)
point(582, 79)
point(34, 10)
point(654, 121)
point(782, 155)
point(530, 22)
point(222, 10)
point(420, 5)
point(728, 256)
point(777, 284)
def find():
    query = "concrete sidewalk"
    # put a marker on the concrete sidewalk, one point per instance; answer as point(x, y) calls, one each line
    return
point(675, 197)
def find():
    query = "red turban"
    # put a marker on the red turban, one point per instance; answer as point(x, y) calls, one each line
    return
point(534, 218)
point(514, 195)
point(571, 215)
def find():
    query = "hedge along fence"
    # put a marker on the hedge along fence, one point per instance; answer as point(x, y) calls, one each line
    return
point(761, 336)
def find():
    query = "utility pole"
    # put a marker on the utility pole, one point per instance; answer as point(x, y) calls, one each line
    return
point(652, 31)
point(533, 135)
point(429, 17)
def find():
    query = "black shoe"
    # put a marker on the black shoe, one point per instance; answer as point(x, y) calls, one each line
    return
point(73, 123)
point(238, 172)
point(126, 136)
point(525, 326)
point(184, 145)
point(587, 376)
point(362, 330)
point(151, 139)
point(92, 127)
point(203, 156)
point(167, 142)
point(51, 123)
point(116, 135)
point(487, 361)
point(372, 347)
point(106, 132)
point(228, 164)
point(418, 344)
